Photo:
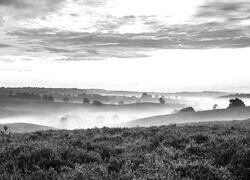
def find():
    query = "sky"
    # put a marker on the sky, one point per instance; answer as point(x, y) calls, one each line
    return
point(154, 45)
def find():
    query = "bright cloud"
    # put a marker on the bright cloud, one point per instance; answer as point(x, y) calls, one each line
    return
point(127, 33)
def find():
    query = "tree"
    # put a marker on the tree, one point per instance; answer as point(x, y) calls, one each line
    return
point(120, 102)
point(215, 106)
point(98, 103)
point(138, 101)
point(47, 98)
point(162, 100)
point(65, 99)
point(85, 101)
point(187, 109)
point(144, 95)
point(236, 103)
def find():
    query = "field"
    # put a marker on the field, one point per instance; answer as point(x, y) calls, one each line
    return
point(237, 113)
point(214, 150)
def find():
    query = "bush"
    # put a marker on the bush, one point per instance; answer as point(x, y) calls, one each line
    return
point(165, 152)
point(65, 99)
point(162, 100)
point(236, 103)
point(85, 101)
point(97, 103)
point(187, 109)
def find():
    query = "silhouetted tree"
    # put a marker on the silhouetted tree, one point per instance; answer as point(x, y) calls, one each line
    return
point(120, 102)
point(162, 100)
point(48, 98)
point(215, 106)
point(65, 99)
point(98, 103)
point(236, 103)
point(144, 95)
point(85, 101)
point(187, 109)
point(138, 101)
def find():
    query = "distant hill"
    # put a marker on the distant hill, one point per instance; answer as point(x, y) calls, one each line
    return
point(25, 127)
point(239, 113)
point(237, 95)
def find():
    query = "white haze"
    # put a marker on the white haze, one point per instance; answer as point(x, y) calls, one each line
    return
point(77, 119)
point(164, 70)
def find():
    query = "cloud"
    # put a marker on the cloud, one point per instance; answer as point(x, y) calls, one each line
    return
point(15, 10)
point(229, 11)
point(93, 3)
point(95, 46)
point(4, 45)
point(87, 30)
point(23, 4)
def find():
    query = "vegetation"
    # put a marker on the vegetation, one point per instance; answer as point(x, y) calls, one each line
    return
point(48, 98)
point(25, 95)
point(65, 99)
point(85, 101)
point(121, 103)
point(236, 103)
point(200, 151)
point(97, 103)
point(237, 95)
point(187, 109)
point(162, 100)
point(215, 106)
point(146, 95)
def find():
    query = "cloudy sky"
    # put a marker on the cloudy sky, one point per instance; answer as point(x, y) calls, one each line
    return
point(161, 45)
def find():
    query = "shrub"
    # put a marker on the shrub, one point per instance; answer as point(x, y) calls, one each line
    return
point(236, 103)
point(187, 109)
point(97, 103)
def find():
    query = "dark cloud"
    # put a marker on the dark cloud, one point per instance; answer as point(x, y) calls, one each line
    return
point(4, 45)
point(96, 46)
point(30, 3)
point(221, 31)
point(28, 9)
point(230, 11)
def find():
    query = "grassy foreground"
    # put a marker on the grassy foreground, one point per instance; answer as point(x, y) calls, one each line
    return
point(197, 151)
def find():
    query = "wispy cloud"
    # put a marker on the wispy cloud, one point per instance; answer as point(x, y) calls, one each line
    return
point(94, 29)
point(228, 11)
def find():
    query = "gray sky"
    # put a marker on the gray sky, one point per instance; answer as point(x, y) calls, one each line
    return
point(161, 45)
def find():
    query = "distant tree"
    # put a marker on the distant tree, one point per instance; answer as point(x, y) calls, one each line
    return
point(215, 106)
point(236, 103)
point(65, 99)
point(47, 98)
point(98, 103)
point(138, 101)
point(187, 109)
point(144, 95)
point(120, 102)
point(85, 101)
point(162, 100)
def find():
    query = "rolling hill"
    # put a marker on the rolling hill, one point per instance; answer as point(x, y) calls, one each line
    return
point(24, 127)
point(239, 113)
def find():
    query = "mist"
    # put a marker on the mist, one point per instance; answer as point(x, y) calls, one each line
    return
point(75, 115)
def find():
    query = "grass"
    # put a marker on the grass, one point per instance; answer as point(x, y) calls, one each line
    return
point(195, 151)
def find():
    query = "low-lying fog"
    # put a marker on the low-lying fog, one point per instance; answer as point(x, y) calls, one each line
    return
point(107, 115)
